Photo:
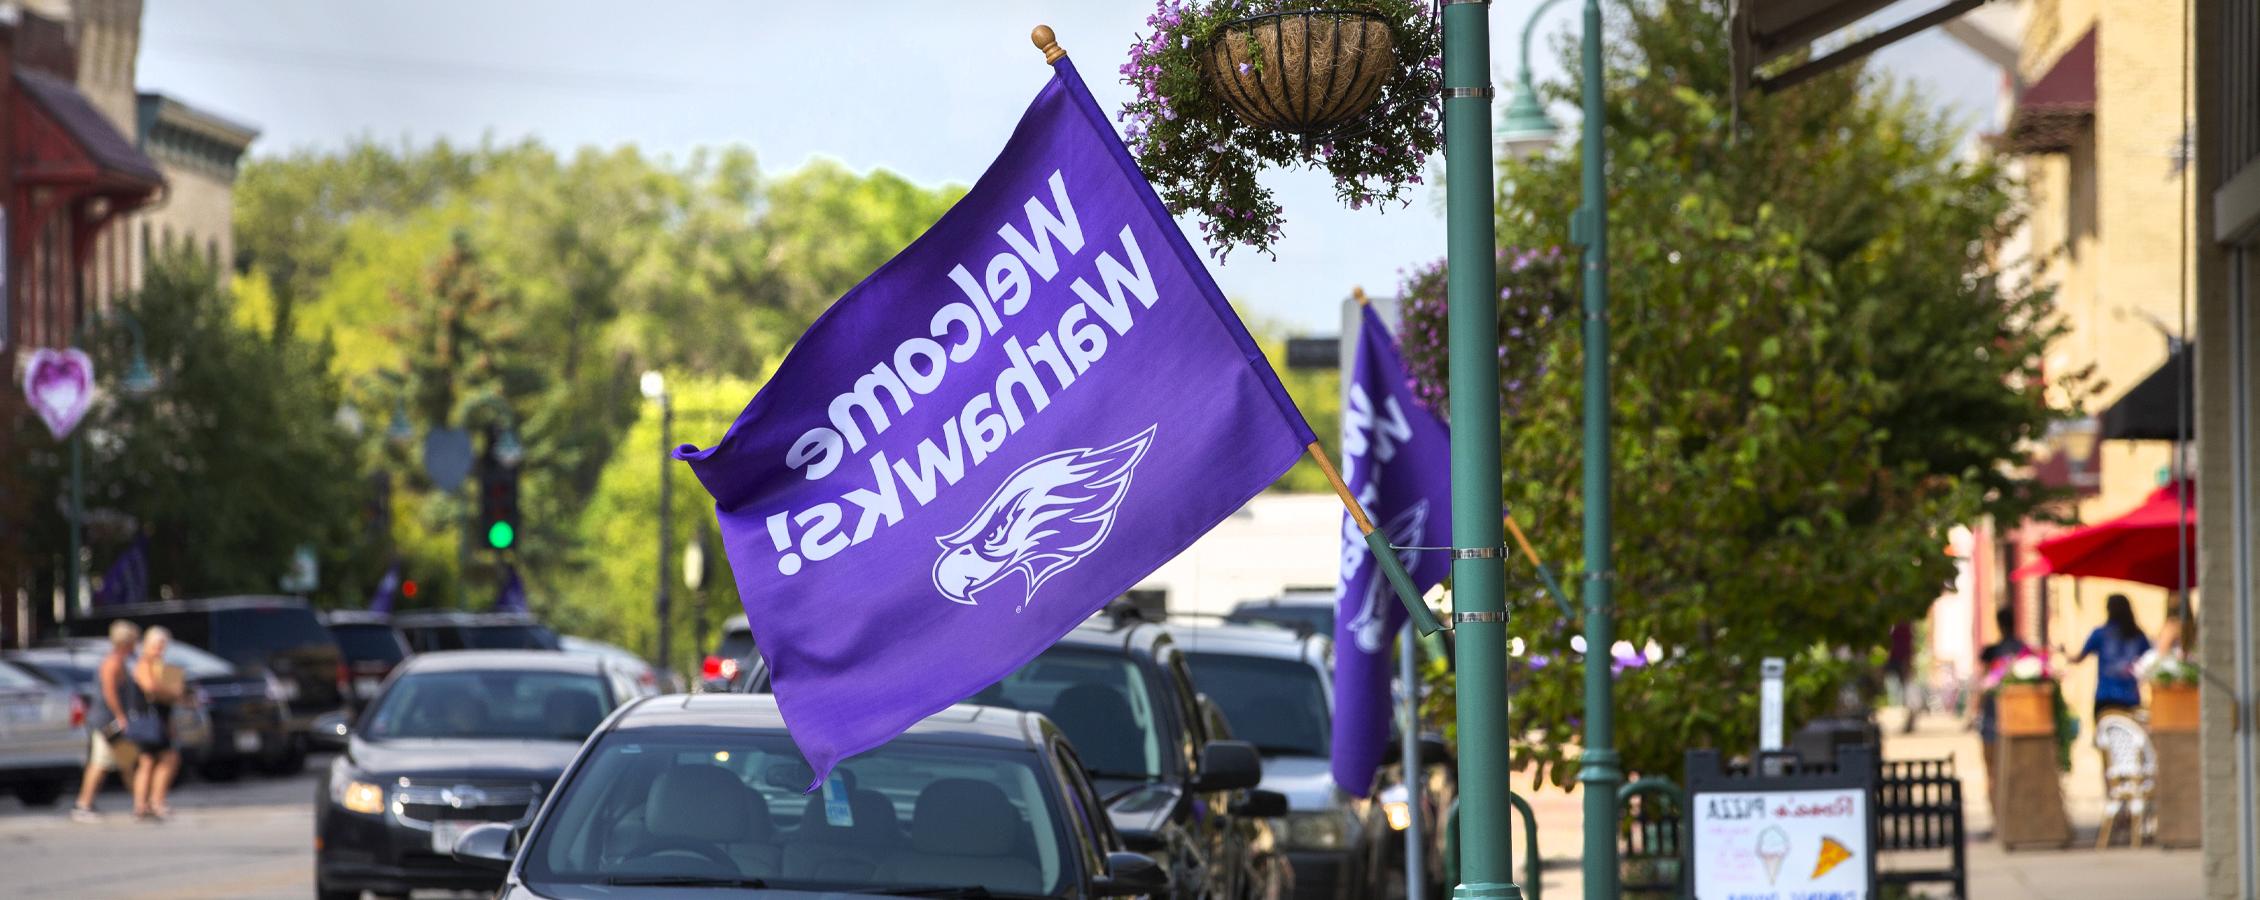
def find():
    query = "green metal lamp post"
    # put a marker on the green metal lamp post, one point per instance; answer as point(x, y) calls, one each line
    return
point(1479, 614)
point(138, 381)
point(1525, 128)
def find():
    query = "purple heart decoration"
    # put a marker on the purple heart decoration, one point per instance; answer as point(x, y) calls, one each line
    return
point(60, 385)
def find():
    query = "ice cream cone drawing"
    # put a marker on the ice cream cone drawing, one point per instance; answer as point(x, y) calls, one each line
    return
point(1832, 854)
point(1773, 847)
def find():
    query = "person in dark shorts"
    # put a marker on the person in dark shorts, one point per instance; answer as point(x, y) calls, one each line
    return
point(157, 686)
point(106, 718)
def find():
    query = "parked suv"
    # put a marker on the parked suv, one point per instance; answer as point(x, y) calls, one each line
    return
point(372, 647)
point(1275, 689)
point(1118, 687)
point(428, 632)
point(260, 637)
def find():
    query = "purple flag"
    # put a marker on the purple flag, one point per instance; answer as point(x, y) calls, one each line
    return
point(380, 601)
point(511, 596)
point(127, 580)
point(1034, 406)
point(1396, 457)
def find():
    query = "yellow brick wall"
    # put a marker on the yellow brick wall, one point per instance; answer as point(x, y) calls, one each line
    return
point(2107, 219)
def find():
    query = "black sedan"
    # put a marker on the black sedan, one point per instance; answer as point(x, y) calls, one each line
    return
point(705, 796)
point(453, 741)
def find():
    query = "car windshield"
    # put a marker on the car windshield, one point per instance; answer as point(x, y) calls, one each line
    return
point(735, 645)
point(253, 635)
point(197, 663)
point(370, 641)
point(509, 637)
point(495, 703)
point(1098, 699)
point(1277, 704)
point(1313, 618)
point(15, 679)
point(726, 806)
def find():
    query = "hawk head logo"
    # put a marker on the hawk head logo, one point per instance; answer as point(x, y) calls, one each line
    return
point(1043, 520)
point(1403, 530)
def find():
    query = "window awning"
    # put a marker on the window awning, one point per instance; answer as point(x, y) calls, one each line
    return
point(1768, 30)
point(2151, 410)
point(2053, 112)
point(65, 142)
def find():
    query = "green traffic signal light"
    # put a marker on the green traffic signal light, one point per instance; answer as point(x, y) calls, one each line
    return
point(500, 535)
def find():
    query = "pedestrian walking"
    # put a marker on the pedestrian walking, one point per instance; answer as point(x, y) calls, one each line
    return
point(2116, 645)
point(1899, 672)
point(158, 685)
point(106, 718)
point(1992, 661)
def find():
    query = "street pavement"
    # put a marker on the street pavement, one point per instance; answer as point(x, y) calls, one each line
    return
point(251, 839)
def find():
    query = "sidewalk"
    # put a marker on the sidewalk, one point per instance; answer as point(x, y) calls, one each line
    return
point(2076, 873)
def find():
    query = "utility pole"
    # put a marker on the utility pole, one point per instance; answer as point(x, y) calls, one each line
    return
point(1598, 770)
point(1479, 615)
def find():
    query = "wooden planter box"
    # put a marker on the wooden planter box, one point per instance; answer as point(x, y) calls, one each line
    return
point(2027, 709)
point(2173, 708)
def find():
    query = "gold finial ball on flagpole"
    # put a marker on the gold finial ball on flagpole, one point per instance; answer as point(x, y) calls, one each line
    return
point(1044, 40)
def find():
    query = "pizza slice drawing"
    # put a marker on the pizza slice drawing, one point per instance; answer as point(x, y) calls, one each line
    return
point(1833, 853)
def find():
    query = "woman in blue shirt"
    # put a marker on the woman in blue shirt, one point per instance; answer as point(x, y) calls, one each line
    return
point(2116, 645)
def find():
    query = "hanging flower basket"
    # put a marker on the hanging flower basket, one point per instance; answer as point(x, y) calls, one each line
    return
point(1307, 73)
point(1226, 89)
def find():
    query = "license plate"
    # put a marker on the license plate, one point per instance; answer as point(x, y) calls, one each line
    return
point(366, 686)
point(21, 712)
point(247, 742)
point(444, 833)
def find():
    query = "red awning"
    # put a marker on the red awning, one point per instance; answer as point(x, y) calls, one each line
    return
point(2139, 546)
point(2056, 108)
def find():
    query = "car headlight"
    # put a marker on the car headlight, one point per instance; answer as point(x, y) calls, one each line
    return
point(354, 794)
point(1399, 813)
point(1314, 831)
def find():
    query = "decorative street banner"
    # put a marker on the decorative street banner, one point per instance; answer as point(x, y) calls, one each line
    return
point(60, 386)
point(1034, 406)
point(1396, 458)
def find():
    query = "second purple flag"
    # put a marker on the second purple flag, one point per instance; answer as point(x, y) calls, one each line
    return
point(1396, 457)
point(1039, 402)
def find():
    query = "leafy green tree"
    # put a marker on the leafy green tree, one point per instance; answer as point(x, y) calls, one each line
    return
point(549, 282)
point(230, 464)
point(1821, 365)
point(611, 593)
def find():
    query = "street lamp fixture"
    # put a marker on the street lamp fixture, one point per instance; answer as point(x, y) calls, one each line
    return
point(400, 432)
point(654, 385)
point(507, 450)
point(139, 381)
point(1525, 128)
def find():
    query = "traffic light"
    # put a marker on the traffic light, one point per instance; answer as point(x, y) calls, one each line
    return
point(498, 503)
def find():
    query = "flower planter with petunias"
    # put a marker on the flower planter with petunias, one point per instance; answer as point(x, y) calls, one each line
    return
point(1228, 88)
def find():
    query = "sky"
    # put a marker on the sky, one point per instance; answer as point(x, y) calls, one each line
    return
point(928, 90)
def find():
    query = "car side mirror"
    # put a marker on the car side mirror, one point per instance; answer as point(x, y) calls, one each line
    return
point(487, 846)
point(1261, 804)
point(1229, 766)
point(1128, 874)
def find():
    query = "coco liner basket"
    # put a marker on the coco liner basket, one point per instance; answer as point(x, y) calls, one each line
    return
point(1307, 73)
